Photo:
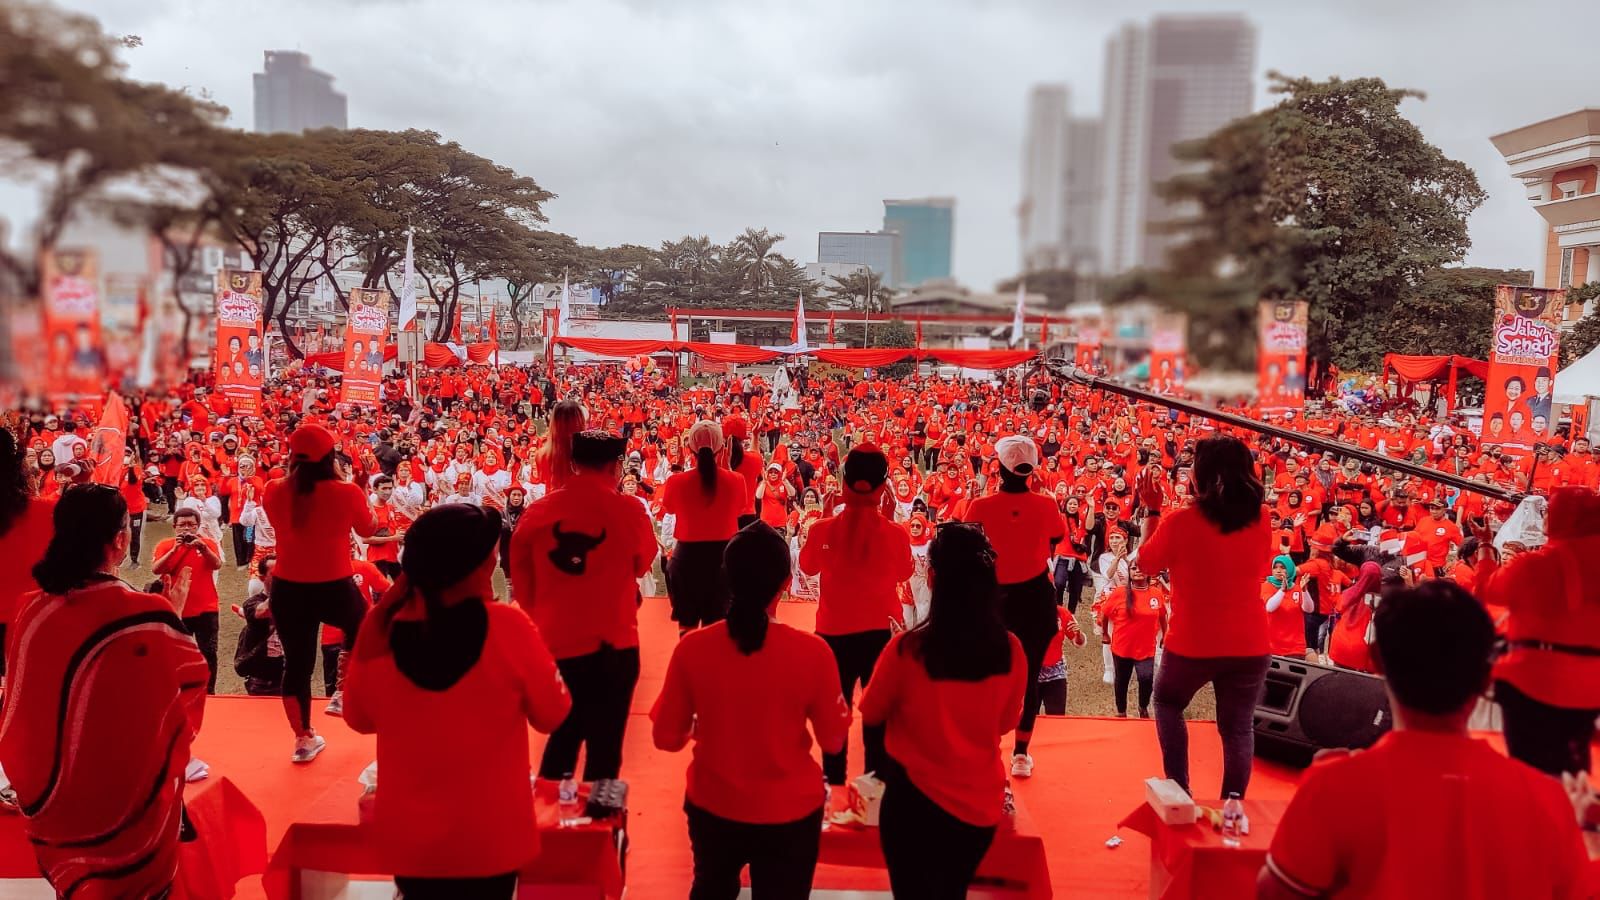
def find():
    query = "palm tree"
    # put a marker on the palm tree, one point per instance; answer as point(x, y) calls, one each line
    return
point(756, 261)
point(866, 288)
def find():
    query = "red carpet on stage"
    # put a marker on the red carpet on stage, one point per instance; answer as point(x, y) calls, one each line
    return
point(1089, 774)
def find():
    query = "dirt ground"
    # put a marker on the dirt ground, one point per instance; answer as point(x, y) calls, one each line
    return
point(1087, 695)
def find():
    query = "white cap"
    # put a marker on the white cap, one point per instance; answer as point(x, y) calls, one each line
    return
point(1017, 453)
point(705, 433)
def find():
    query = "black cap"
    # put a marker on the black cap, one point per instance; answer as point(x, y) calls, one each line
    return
point(865, 467)
point(446, 543)
point(597, 448)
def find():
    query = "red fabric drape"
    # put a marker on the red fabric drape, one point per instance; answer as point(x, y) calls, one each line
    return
point(1429, 368)
point(480, 352)
point(872, 356)
point(728, 353)
point(982, 359)
point(439, 356)
point(617, 347)
point(334, 359)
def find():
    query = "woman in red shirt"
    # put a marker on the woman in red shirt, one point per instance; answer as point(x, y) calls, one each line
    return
point(863, 557)
point(555, 457)
point(707, 501)
point(945, 693)
point(1136, 613)
point(744, 690)
point(25, 530)
point(1285, 602)
point(313, 512)
point(745, 462)
point(439, 656)
point(1217, 552)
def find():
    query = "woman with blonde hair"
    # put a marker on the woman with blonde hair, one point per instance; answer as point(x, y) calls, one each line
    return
point(555, 457)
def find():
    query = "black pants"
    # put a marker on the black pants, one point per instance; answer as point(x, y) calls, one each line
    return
point(242, 548)
point(493, 887)
point(135, 533)
point(782, 858)
point(1029, 610)
point(1237, 683)
point(856, 655)
point(930, 459)
point(330, 668)
point(601, 684)
point(169, 493)
point(1070, 577)
point(696, 583)
point(298, 608)
point(1125, 667)
point(1552, 739)
point(204, 629)
point(1053, 696)
point(930, 854)
point(1316, 625)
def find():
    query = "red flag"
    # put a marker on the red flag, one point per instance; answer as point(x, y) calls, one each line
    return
point(1044, 332)
point(455, 327)
point(830, 328)
point(672, 320)
point(109, 439)
point(797, 331)
point(494, 328)
point(919, 332)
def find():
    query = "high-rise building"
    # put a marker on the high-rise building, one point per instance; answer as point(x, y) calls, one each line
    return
point(927, 236)
point(1083, 195)
point(1177, 79)
point(878, 250)
point(1041, 216)
point(292, 96)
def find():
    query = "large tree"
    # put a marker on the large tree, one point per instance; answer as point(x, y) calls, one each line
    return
point(1585, 335)
point(1331, 195)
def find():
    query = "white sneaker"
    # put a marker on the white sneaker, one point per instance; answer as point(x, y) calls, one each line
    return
point(1106, 677)
point(1022, 766)
point(335, 704)
point(306, 748)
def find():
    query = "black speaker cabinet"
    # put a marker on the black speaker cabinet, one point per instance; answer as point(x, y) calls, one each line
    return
point(1306, 707)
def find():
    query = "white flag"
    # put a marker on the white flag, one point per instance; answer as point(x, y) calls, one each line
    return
point(408, 290)
point(797, 332)
point(1016, 318)
point(564, 328)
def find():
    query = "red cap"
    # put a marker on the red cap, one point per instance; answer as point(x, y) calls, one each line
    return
point(735, 428)
point(311, 443)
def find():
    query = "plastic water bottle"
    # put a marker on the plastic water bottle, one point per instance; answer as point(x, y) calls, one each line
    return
point(567, 800)
point(1232, 816)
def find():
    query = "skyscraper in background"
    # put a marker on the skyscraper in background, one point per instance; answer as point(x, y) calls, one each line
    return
point(292, 96)
point(877, 250)
point(1177, 79)
point(1084, 208)
point(927, 236)
point(1041, 215)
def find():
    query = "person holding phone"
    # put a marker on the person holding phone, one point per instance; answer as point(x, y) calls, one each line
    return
point(189, 555)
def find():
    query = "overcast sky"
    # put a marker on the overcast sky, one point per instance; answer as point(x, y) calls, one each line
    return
point(652, 120)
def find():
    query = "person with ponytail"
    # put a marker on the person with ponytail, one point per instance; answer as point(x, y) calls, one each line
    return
point(743, 691)
point(576, 557)
point(745, 462)
point(1024, 527)
point(24, 532)
point(707, 501)
point(314, 511)
point(945, 693)
point(555, 457)
point(101, 711)
point(863, 558)
point(1217, 552)
point(1134, 613)
point(449, 680)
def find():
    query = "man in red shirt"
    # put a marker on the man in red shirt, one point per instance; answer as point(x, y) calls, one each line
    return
point(1439, 534)
point(187, 556)
point(1429, 811)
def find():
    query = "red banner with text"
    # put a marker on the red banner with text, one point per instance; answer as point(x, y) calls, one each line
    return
point(1087, 354)
point(365, 331)
point(240, 363)
point(1168, 349)
point(1281, 355)
point(1518, 410)
point(75, 363)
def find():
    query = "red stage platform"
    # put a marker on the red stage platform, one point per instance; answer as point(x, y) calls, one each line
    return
point(1090, 775)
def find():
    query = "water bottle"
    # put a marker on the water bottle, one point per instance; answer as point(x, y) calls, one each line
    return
point(1232, 816)
point(567, 800)
point(827, 802)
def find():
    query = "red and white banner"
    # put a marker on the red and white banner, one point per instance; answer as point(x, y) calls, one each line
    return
point(1168, 348)
point(1087, 355)
point(1281, 356)
point(108, 441)
point(365, 332)
point(75, 363)
point(241, 362)
point(1518, 409)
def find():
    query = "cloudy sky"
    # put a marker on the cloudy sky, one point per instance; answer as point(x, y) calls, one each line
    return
point(651, 120)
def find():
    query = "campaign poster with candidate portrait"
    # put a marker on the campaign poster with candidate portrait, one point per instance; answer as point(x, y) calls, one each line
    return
point(1281, 356)
point(1090, 338)
point(241, 361)
point(75, 355)
point(365, 331)
point(1168, 349)
point(1518, 409)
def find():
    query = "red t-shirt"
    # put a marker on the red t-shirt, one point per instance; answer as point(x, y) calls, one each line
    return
point(862, 558)
point(1022, 528)
point(946, 734)
point(1286, 625)
point(318, 548)
point(1216, 578)
point(747, 716)
point(1133, 634)
point(202, 590)
point(1423, 814)
point(703, 518)
point(21, 547)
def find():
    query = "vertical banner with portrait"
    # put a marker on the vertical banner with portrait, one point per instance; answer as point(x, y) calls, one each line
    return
point(1281, 356)
point(1518, 410)
point(1087, 354)
point(1168, 349)
point(241, 363)
point(75, 361)
point(365, 332)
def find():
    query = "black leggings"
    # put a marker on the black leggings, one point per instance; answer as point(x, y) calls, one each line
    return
point(1125, 667)
point(204, 629)
point(782, 857)
point(601, 684)
point(1053, 696)
point(1552, 739)
point(856, 655)
point(1069, 578)
point(930, 854)
point(242, 548)
point(696, 583)
point(1029, 610)
point(492, 887)
point(135, 532)
point(298, 608)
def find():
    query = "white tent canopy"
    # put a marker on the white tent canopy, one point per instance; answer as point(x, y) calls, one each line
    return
point(1580, 381)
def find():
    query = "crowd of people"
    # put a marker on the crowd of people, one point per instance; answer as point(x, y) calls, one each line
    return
point(957, 536)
